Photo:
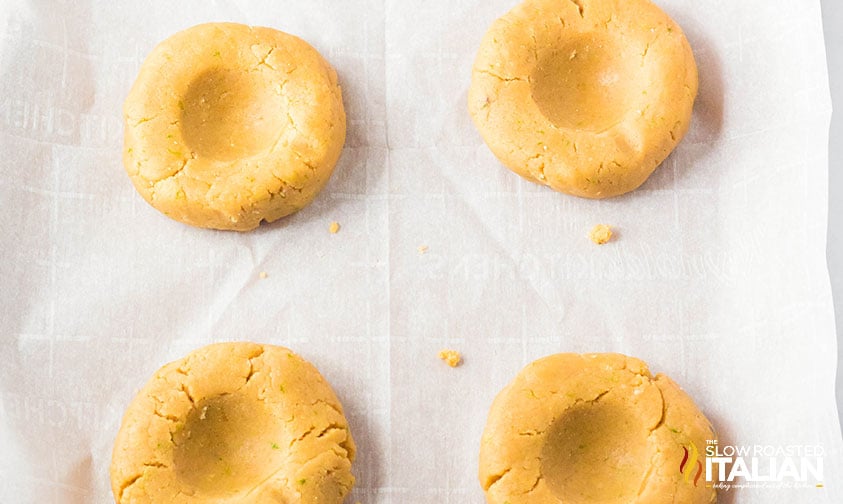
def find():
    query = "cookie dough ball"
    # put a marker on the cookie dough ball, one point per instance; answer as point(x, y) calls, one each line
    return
point(585, 96)
point(229, 125)
point(582, 429)
point(234, 423)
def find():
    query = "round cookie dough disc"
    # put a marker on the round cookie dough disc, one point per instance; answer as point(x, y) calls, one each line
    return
point(581, 429)
point(587, 97)
point(229, 125)
point(234, 423)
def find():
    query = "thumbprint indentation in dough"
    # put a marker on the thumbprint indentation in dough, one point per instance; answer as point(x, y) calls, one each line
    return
point(587, 84)
point(223, 447)
point(596, 452)
point(229, 114)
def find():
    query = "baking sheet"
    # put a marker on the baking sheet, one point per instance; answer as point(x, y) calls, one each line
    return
point(717, 276)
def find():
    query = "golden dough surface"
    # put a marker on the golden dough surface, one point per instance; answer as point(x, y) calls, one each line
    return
point(234, 423)
point(451, 357)
point(600, 234)
point(229, 125)
point(587, 97)
point(581, 429)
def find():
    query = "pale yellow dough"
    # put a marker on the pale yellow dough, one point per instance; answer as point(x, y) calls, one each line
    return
point(585, 96)
point(234, 423)
point(452, 358)
point(600, 234)
point(583, 429)
point(229, 125)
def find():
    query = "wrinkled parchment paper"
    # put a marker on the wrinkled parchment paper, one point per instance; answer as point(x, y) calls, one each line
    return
point(717, 276)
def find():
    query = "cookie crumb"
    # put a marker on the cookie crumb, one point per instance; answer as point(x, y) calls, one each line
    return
point(451, 357)
point(601, 234)
point(423, 249)
point(263, 274)
point(334, 228)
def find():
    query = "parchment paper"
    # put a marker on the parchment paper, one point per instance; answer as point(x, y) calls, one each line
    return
point(717, 276)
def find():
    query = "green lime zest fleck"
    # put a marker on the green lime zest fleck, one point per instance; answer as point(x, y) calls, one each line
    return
point(281, 388)
point(302, 481)
point(181, 105)
point(173, 152)
point(217, 54)
point(275, 446)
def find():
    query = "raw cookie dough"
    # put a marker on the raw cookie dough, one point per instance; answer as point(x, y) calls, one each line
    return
point(229, 125)
point(451, 357)
point(585, 96)
point(234, 423)
point(600, 234)
point(582, 429)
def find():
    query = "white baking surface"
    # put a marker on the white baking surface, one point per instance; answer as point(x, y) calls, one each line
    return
point(833, 22)
point(718, 276)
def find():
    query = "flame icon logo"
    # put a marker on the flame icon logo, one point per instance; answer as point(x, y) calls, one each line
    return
point(689, 460)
